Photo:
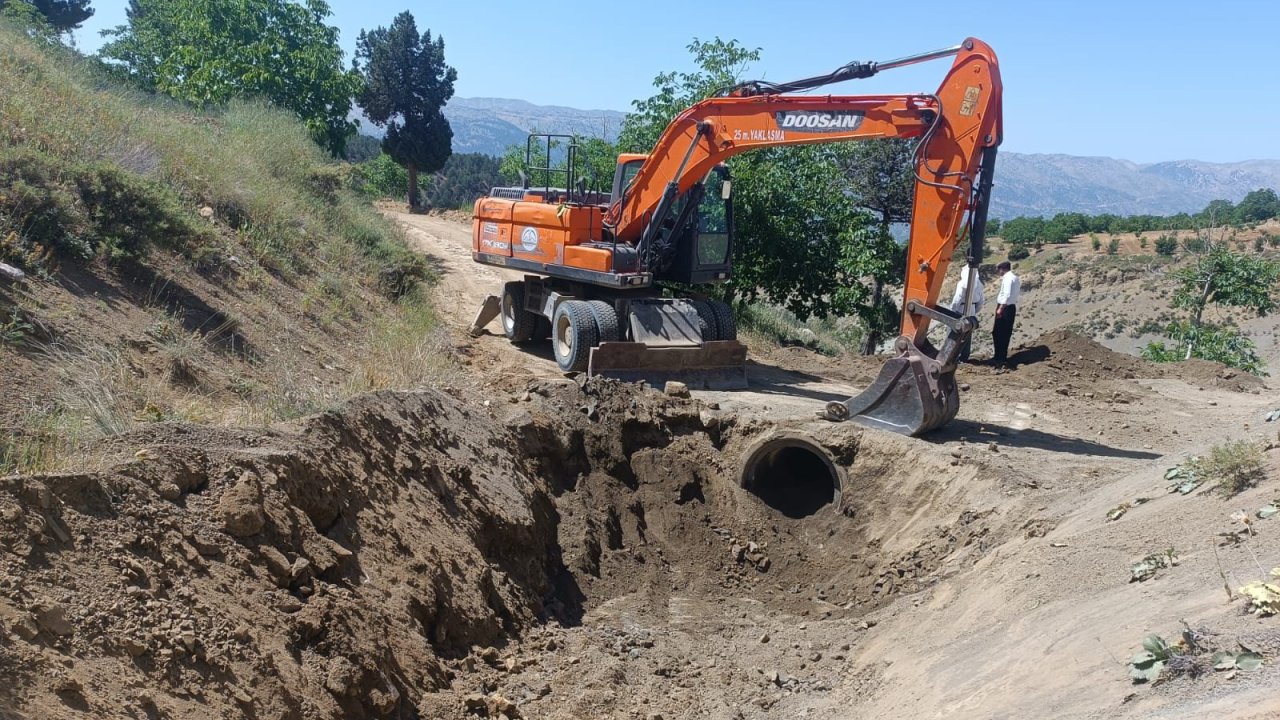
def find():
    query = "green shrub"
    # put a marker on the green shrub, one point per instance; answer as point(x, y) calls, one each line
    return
point(1019, 252)
point(80, 211)
point(381, 177)
point(1166, 245)
point(1095, 243)
point(1234, 466)
point(1208, 342)
point(1113, 246)
point(1195, 244)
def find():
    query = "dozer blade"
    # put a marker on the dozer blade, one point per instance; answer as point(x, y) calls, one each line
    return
point(715, 365)
point(912, 395)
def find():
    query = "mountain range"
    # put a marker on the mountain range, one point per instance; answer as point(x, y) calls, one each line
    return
point(1026, 184)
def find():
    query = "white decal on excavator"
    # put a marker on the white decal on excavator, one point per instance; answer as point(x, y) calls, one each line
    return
point(818, 121)
point(529, 239)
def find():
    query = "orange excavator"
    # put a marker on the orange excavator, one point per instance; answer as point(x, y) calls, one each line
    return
point(606, 275)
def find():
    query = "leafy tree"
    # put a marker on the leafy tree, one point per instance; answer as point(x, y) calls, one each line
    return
point(1209, 342)
point(362, 148)
point(597, 159)
point(881, 178)
point(24, 15)
point(1113, 246)
point(801, 240)
point(1023, 231)
point(406, 85)
point(1166, 245)
point(380, 177)
point(61, 15)
point(464, 177)
point(209, 51)
point(1257, 206)
point(1218, 277)
point(720, 65)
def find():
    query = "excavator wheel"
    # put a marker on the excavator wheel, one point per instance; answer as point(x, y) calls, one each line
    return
point(517, 323)
point(606, 320)
point(573, 334)
point(706, 320)
point(726, 325)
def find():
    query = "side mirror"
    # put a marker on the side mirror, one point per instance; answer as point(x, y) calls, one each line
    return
point(725, 189)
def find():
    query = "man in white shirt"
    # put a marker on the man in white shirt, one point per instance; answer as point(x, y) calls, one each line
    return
point(974, 307)
point(1006, 311)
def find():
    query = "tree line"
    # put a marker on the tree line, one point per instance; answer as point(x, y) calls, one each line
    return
point(1026, 232)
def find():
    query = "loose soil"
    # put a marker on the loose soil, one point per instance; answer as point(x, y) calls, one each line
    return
point(526, 545)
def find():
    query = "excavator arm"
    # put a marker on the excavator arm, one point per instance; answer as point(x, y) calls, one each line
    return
point(957, 129)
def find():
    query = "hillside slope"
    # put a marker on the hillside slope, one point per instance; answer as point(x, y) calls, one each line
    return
point(180, 265)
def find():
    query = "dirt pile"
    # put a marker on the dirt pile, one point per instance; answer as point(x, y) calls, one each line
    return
point(418, 555)
point(1063, 356)
point(319, 571)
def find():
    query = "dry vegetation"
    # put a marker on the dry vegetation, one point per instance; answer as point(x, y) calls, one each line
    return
point(206, 267)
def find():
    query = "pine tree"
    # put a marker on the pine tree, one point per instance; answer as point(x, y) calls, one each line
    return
point(406, 84)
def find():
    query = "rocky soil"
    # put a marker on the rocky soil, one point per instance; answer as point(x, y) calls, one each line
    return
point(525, 545)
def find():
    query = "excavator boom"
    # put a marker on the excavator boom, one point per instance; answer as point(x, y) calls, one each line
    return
point(649, 231)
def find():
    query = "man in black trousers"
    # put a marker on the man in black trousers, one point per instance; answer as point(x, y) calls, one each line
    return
point(1006, 311)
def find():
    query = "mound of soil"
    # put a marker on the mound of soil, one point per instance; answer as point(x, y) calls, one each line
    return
point(317, 571)
point(1062, 355)
point(420, 555)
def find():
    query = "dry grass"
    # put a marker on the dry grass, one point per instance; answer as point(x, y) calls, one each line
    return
point(304, 261)
point(1233, 467)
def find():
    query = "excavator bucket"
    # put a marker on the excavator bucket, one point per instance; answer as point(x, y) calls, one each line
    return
point(914, 393)
point(712, 365)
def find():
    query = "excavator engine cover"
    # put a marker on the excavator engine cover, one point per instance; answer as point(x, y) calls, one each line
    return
point(913, 394)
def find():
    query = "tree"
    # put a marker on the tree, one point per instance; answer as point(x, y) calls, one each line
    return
point(61, 15)
point(210, 51)
point(1218, 277)
point(1257, 206)
point(881, 178)
point(406, 84)
point(801, 241)
point(464, 177)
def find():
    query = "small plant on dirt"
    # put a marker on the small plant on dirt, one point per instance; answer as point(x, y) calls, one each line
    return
point(1147, 567)
point(1263, 596)
point(1235, 466)
point(1147, 665)
point(1095, 243)
point(1190, 656)
point(14, 330)
point(1166, 245)
point(1113, 246)
point(1142, 243)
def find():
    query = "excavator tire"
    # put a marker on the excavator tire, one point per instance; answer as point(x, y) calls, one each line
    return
point(573, 334)
point(706, 320)
point(726, 325)
point(606, 320)
point(517, 323)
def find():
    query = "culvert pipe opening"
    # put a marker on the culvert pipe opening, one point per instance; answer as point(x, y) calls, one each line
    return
point(792, 475)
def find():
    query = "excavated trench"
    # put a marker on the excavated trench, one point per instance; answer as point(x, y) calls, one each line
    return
point(388, 559)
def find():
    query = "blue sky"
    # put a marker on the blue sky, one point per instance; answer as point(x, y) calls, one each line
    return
point(1140, 80)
